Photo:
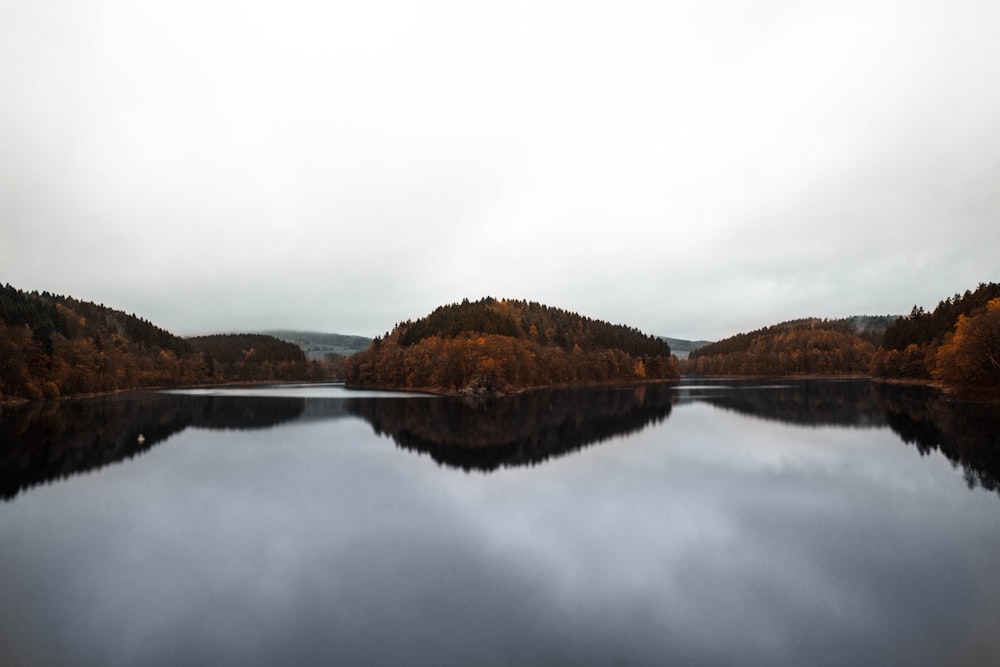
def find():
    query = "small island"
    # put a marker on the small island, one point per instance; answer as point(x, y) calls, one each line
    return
point(492, 346)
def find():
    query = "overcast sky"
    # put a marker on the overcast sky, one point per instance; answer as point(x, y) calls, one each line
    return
point(694, 169)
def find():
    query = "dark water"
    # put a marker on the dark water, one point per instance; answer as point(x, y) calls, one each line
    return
point(808, 523)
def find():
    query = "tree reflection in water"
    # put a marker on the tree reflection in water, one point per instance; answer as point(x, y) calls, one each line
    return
point(803, 402)
point(968, 434)
point(47, 441)
point(524, 429)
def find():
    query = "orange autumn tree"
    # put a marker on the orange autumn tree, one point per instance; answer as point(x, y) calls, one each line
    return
point(969, 358)
point(910, 345)
point(52, 346)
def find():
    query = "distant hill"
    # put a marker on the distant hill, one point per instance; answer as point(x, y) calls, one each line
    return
point(872, 326)
point(491, 346)
point(252, 357)
point(317, 345)
point(682, 348)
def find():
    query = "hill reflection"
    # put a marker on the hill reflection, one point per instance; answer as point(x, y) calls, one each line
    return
point(803, 402)
point(967, 434)
point(48, 441)
point(524, 429)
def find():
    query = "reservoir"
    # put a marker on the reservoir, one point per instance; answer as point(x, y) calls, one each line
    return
point(696, 523)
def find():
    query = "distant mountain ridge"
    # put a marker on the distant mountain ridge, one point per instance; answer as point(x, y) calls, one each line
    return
point(317, 345)
point(682, 347)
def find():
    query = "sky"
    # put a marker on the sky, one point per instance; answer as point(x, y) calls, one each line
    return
point(693, 169)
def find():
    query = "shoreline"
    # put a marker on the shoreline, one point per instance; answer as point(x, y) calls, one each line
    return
point(19, 401)
point(800, 376)
point(471, 392)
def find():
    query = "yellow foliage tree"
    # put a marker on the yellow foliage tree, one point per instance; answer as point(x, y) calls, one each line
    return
point(969, 358)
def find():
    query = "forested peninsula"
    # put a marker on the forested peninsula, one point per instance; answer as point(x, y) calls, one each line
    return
point(497, 346)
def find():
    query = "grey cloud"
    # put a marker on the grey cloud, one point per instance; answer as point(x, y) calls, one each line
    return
point(691, 170)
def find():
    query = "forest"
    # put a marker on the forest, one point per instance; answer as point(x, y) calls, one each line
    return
point(798, 347)
point(956, 345)
point(254, 357)
point(52, 346)
point(495, 345)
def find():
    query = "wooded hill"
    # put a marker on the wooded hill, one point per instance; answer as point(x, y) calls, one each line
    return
point(501, 345)
point(799, 347)
point(53, 346)
point(253, 357)
point(957, 345)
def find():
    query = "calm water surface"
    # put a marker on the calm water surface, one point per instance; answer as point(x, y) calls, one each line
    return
point(819, 523)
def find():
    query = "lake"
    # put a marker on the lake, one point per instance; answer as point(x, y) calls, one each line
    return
point(700, 523)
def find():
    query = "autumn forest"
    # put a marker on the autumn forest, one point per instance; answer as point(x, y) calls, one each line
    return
point(499, 345)
point(957, 345)
point(53, 346)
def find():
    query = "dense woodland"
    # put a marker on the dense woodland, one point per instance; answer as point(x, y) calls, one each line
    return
point(799, 347)
point(53, 346)
point(253, 357)
point(957, 345)
point(499, 345)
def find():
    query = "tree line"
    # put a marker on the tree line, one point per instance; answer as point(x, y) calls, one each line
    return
point(799, 347)
point(957, 345)
point(53, 346)
point(253, 357)
point(500, 345)
point(524, 320)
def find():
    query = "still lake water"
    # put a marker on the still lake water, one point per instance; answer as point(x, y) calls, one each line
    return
point(709, 523)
